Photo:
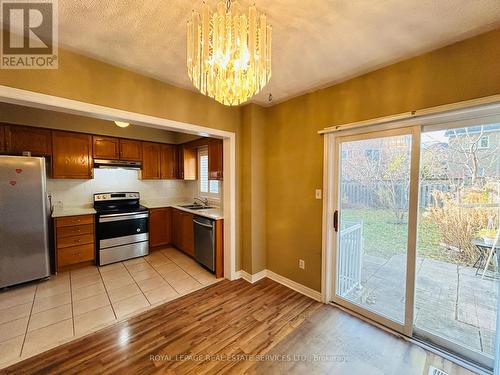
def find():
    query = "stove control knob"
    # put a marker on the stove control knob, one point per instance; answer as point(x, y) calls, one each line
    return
point(138, 229)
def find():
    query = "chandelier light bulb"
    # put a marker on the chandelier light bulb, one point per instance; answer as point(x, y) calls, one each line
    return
point(228, 52)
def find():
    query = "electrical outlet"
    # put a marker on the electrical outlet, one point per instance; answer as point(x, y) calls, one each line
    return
point(302, 264)
point(318, 193)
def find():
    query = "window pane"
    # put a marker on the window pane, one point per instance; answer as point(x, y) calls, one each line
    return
point(456, 291)
point(203, 173)
point(373, 230)
point(214, 186)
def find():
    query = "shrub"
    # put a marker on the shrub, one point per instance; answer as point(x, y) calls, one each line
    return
point(459, 218)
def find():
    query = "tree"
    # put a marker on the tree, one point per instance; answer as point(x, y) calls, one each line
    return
point(382, 167)
point(466, 158)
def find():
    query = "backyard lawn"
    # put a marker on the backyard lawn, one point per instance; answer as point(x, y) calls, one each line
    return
point(384, 237)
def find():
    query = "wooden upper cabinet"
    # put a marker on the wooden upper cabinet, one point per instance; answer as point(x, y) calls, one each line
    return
point(151, 161)
point(2, 138)
point(188, 163)
point(168, 162)
point(180, 162)
point(25, 138)
point(130, 150)
point(71, 155)
point(215, 157)
point(106, 147)
point(115, 148)
point(160, 226)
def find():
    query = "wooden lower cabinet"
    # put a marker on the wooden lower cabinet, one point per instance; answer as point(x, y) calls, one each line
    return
point(183, 231)
point(219, 248)
point(160, 226)
point(74, 255)
point(172, 226)
point(75, 240)
point(2, 138)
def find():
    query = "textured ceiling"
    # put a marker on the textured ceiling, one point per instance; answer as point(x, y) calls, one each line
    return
point(315, 42)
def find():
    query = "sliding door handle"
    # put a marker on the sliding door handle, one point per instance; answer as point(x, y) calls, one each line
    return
point(336, 221)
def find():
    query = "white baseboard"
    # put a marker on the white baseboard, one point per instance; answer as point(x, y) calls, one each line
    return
point(244, 275)
point(252, 278)
point(311, 293)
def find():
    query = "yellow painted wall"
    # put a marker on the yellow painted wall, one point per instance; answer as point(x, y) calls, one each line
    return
point(88, 80)
point(253, 190)
point(279, 153)
point(15, 114)
point(85, 79)
point(465, 70)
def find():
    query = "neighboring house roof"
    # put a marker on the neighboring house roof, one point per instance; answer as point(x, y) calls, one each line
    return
point(435, 146)
point(472, 130)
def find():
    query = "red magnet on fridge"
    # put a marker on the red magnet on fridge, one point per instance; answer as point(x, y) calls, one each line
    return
point(19, 170)
point(13, 183)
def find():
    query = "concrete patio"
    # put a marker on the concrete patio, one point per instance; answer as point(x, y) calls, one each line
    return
point(451, 301)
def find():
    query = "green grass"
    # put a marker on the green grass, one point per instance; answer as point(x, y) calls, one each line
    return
point(384, 237)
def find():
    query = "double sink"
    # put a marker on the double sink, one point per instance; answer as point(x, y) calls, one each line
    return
point(196, 207)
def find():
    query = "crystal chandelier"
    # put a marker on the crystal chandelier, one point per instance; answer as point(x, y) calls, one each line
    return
point(229, 53)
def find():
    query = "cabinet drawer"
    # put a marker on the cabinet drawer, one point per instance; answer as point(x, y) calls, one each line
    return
point(75, 240)
point(75, 254)
point(74, 220)
point(76, 230)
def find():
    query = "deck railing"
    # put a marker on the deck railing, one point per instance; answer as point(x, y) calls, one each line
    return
point(350, 258)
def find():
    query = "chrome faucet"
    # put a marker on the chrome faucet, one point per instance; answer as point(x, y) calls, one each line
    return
point(203, 201)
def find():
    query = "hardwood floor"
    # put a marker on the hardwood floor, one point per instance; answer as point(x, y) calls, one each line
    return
point(224, 328)
point(334, 342)
point(226, 320)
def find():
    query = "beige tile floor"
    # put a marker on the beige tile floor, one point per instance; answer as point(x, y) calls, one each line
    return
point(40, 316)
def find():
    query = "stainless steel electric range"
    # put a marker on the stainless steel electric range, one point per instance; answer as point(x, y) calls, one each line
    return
point(122, 227)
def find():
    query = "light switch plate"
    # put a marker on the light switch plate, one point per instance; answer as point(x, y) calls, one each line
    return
point(302, 264)
point(318, 193)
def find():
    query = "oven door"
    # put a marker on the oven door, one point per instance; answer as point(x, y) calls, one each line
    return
point(121, 229)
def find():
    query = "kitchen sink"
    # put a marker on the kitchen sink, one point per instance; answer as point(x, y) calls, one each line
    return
point(196, 207)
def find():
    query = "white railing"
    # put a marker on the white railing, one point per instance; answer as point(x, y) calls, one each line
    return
point(349, 258)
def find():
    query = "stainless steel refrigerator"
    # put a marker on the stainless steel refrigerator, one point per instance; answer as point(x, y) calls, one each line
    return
point(24, 220)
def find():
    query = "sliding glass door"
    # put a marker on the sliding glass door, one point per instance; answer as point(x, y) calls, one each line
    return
point(457, 270)
point(416, 229)
point(372, 225)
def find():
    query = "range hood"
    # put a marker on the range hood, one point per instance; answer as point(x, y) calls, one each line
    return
point(125, 164)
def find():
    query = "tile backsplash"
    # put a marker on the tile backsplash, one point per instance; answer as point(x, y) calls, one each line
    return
point(80, 192)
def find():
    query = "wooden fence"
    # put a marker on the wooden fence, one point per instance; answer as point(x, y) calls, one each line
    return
point(355, 194)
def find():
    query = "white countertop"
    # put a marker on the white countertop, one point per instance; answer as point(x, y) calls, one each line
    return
point(211, 213)
point(164, 202)
point(72, 211)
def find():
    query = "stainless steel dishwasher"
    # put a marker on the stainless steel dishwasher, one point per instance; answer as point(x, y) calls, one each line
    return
point(204, 241)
